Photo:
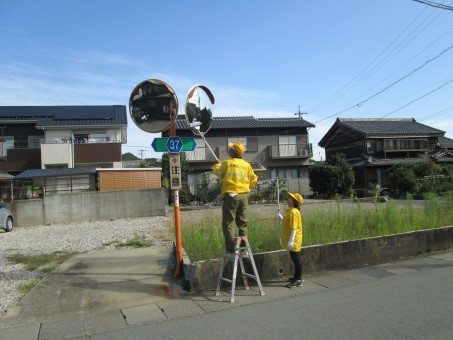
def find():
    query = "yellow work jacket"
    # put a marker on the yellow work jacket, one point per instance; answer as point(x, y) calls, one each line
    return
point(292, 221)
point(236, 174)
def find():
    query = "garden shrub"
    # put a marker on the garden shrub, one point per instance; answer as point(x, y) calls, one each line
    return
point(331, 178)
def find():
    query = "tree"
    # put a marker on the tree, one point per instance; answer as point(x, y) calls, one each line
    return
point(148, 163)
point(331, 178)
point(128, 156)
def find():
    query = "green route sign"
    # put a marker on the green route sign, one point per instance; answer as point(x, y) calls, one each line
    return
point(173, 144)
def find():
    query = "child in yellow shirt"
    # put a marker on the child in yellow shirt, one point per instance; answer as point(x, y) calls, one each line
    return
point(292, 236)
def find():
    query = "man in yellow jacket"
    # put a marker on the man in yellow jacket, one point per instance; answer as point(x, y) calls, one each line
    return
point(237, 178)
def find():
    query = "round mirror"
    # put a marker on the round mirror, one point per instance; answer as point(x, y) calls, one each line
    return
point(199, 105)
point(153, 105)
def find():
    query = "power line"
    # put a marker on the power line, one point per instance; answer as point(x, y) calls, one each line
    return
point(435, 4)
point(405, 76)
point(387, 87)
point(417, 99)
point(389, 56)
point(335, 96)
point(448, 109)
point(366, 53)
point(409, 95)
point(420, 52)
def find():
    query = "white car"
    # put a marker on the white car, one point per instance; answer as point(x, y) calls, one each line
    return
point(6, 218)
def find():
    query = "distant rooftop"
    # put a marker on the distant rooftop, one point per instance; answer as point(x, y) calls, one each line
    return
point(445, 142)
point(66, 115)
point(379, 127)
point(248, 122)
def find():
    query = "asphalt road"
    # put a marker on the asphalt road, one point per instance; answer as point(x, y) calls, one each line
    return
point(416, 305)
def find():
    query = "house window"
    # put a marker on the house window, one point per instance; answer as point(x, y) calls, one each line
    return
point(34, 142)
point(250, 143)
point(287, 146)
point(285, 173)
point(8, 143)
point(199, 154)
point(242, 140)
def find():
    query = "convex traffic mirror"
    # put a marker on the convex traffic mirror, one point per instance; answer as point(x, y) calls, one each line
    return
point(153, 105)
point(199, 103)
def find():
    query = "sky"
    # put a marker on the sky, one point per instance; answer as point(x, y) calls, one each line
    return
point(259, 58)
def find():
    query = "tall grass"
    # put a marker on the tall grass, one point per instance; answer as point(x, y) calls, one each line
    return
point(202, 240)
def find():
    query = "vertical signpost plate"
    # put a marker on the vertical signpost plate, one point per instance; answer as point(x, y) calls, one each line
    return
point(175, 171)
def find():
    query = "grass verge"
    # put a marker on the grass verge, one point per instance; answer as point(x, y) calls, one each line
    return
point(138, 241)
point(25, 288)
point(203, 240)
point(46, 263)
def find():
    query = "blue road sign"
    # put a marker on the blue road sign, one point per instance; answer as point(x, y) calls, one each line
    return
point(174, 144)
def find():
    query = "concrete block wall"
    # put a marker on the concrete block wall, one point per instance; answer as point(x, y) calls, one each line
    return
point(277, 265)
point(89, 206)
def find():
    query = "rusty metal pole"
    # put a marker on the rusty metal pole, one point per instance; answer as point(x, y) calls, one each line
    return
point(176, 213)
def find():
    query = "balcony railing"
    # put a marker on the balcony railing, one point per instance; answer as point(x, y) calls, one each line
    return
point(202, 154)
point(82, 140)
point(290, 151)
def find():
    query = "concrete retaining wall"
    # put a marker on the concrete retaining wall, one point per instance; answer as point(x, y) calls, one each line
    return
point(277, 265)
point(89, 206)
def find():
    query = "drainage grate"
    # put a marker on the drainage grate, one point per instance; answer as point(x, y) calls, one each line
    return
point(374, 272)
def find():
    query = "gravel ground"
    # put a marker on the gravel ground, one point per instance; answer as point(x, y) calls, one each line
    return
point(80, 237)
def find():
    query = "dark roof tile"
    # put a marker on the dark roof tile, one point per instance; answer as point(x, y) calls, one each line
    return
point(384, 126)
point(445, 142)
point(67, 115)
point(42, 173)
point(248, 122)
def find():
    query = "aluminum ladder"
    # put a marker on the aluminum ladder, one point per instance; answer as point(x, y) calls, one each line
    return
point(240, 252)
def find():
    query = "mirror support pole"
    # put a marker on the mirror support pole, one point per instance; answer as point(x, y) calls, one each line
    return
point(176, 212)
point(209, 147)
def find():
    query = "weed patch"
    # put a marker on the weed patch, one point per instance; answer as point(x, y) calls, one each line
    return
point(204, 240)
point(138, 241)
point(44, 262)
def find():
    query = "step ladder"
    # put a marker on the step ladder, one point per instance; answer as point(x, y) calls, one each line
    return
point(240, 252)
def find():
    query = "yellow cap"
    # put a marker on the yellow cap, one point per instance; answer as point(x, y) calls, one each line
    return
point(298, 197)
point(238, 147)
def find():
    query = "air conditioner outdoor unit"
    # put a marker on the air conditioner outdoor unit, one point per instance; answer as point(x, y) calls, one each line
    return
point(303, 152)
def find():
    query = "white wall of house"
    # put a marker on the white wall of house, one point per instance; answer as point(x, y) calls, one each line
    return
point(117, 164)
point(56, 153)
point(53, 136)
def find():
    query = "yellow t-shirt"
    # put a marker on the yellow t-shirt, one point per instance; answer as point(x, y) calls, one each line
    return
point(236, 174)
point(292, 221)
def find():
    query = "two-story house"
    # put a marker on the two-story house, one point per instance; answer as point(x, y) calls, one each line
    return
point(274, 146)
point(44, 137)
point(372, 146)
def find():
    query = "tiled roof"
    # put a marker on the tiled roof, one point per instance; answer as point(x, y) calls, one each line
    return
point(445, 142)
point(248, 122)
point(381, 127)
point(443, 156)
point(372, 161)
point(67, 115)
point(42, 173)
point(6, 176)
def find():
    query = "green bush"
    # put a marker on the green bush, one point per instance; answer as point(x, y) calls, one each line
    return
point(206, 189)
point(419, 179)
point(331, 178)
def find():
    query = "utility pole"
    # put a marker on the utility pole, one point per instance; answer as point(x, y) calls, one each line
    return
point(300, 113)
point(141, 151)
